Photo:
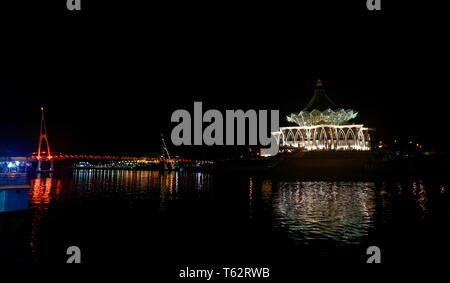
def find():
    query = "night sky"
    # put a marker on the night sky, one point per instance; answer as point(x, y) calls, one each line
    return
point(111, 75)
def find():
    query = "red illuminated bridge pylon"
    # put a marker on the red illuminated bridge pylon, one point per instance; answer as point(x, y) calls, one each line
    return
point(43, 137)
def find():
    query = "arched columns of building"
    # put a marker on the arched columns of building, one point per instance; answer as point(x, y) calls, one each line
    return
point(326, 137)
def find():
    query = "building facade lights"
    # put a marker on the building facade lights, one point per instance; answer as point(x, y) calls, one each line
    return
point(321, 128)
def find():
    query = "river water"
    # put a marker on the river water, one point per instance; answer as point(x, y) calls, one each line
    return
point(124, 216)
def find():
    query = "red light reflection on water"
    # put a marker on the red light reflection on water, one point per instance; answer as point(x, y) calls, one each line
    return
point(40, 190)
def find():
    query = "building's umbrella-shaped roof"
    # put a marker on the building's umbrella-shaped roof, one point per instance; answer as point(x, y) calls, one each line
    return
point(320, 99)
point(321, 110)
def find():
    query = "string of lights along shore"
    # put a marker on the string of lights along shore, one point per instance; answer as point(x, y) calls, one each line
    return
point(322, 128)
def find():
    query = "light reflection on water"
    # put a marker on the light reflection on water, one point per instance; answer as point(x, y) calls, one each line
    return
point(336, 211)
point(46, 191)
point(420, 194)
point(343, 212)
point(103, 183)
point(308, 213)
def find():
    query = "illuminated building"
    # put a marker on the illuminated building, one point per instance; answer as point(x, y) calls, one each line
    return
point(324, 126)
point(14, 164)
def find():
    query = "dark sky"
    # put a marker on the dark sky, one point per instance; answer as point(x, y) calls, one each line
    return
point(111, 75)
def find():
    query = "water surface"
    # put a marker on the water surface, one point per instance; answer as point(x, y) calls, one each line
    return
point(125, 216)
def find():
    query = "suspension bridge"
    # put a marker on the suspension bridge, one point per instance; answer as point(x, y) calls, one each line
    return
point(44, 160)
